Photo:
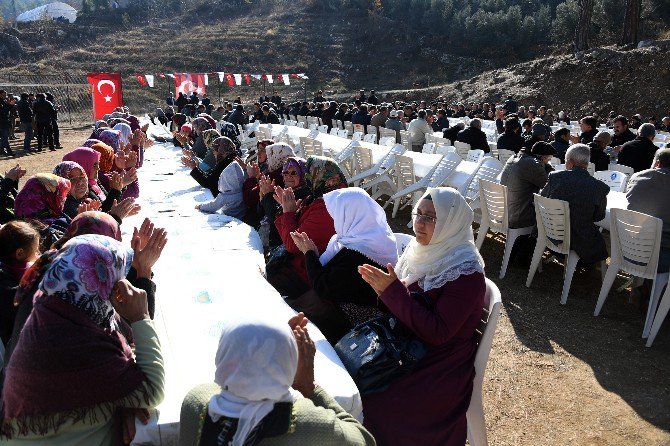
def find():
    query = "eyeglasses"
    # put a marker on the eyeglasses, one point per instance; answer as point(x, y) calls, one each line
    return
point(290, 173)
point(424, 218)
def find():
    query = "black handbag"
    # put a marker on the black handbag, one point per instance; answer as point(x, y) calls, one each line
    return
point(379, 351)
point(276, 258)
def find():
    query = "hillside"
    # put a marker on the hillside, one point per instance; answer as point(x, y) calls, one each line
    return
point(340, 51)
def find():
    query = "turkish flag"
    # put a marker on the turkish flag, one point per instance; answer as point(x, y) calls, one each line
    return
point(247, 79)
point(140, 78)
point(106, 91)
point(230, 80)
point(188, 83)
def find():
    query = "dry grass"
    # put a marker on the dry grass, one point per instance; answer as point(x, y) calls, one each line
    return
point(557, 375)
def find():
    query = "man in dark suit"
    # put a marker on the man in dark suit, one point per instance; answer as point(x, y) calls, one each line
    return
point(474, 136)
point(639, 153)
point(587, 198)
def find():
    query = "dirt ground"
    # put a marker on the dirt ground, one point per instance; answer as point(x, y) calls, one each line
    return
point(557, 375)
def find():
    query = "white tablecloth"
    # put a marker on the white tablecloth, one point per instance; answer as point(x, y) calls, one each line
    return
point(460, 176)
point(209, 270)
point(615, 200)
point(423, 162)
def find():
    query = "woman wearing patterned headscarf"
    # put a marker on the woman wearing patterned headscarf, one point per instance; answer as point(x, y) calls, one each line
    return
point(230, 131)
point(199, 148)
point(224, 153)
point(209, 160)
point(42, 198)
point(125, 133)
point(310, 216)
point(276, 156)
point(81, 297)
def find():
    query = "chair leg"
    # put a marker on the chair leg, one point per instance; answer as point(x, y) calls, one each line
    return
point(662, 312)
point(570, 267)
point(396, 205)
point(481, 235)
point(608, 281)
point(510, 239)
point(537, 257)
point(656, 289)
point(603, 269)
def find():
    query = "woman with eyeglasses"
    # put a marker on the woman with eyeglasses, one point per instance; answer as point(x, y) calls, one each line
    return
point(437, 291)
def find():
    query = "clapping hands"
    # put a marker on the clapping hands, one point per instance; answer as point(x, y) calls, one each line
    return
point(286, 198)
point(147, 243)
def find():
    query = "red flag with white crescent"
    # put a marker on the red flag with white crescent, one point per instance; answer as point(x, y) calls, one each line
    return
point(230, 80)
point(247, 79)
point(107, 93)
point(140, 78)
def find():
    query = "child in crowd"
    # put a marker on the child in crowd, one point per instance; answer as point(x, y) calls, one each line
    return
point(19, 247)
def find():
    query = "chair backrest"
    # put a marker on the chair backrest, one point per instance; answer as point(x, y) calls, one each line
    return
point(485, 333)
point(402, 241)
point(313, 120)
point(349, 127)
point(488, 169)
point(389, 159)
point(559, 167)
point(406, 139)
point(323, 129)
point(404, 170)
point(317, 147)
point(372, 129)
point(553, 223)
point(443, 150)
point(615, 180)
point(384, 132)
point(300, 125)
point(345, 159)
point(343, 133)
point(362, 159)
point(623, 169)
point(430, 138)
point(334, 131)
point(444, 168)
point(493, 197)
point(359, 128)
point(636, 242)
point(371, 138)
point(302, 119)
point(504, 155)
point(462, 149)
point(493, 149)
point(357, 136)
point(439, 140)
point(475, 155)
point(429, 147)
point(313, 126)
point(591, 169)
point(307, 145)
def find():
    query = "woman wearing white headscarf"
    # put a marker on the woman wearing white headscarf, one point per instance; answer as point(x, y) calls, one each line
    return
point(229, 199)
point(437, 291)
point(125, 133)
point(265, 393)
point(340, 299)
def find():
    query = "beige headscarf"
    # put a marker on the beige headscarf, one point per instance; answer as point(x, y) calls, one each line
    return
point(451, 251)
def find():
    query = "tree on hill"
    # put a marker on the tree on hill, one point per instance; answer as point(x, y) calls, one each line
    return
point(631, 22)
point(583, 25)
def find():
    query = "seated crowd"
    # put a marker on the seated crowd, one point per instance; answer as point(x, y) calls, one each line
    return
point(78, 304)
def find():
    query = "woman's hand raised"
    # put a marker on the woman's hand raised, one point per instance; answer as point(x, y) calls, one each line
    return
point(304, 243)
point(286, 199)
point(376, 278)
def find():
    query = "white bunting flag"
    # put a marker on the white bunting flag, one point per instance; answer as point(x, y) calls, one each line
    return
point(206, 79)
point(170, 75)
point(269, 78)
point(150, 79)
point(285, 79)
point(222, 75)
point(238, 79)
point(257, 76)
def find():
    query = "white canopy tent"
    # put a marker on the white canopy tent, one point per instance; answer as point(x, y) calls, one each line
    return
point(50, 11)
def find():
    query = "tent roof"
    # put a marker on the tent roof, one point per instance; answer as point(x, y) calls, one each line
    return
point(50, 11)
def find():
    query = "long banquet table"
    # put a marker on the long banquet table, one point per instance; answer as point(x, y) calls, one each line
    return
point(615, 200)
point(210, 270)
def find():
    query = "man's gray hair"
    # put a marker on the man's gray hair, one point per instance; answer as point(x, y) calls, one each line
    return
point(579, 154)
point(646, 131)
point(663, 157)
point(476, 122)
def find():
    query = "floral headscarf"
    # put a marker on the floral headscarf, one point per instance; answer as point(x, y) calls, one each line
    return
point(230, 131)
point(277, 155)
point(224, 146)
point(91, 222)
point(106, 156)
point(64, 168)
point(90, 142)
point(324, 175)
point(125, 132)
point(84, 272)
point(209, 136)
point(112, 138)
point(212, 121)
point(42, 197)
point(85, 157)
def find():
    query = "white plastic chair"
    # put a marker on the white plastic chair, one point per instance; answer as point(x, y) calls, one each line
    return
point(429, 147)
point(402, 241)
point(388, 141)
point(307, 145)
point(349, 127)
point(381, 171)
point(345, 159)
point(443, 150)
point(343, 133)
point(636, 242)
point(486, 330)
point(504, 155)
point(357, 136)
point(615, 180)
point(406, 139)
point(373, 129)
point(334, 131)
point(404, 170)
point(371, 138)
point(661, 314)
point(362, 163)
point(493, 198)
point(359, 128)
point(553, 232)
point(323, 129)
point(555, 161)
point(488, 169)
point(386, 133)
point(623, 169)
point(591, 169)
point(462, 149)
point(475, 155)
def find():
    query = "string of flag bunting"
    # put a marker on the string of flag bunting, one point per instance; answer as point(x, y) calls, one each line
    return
point(197, 82)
